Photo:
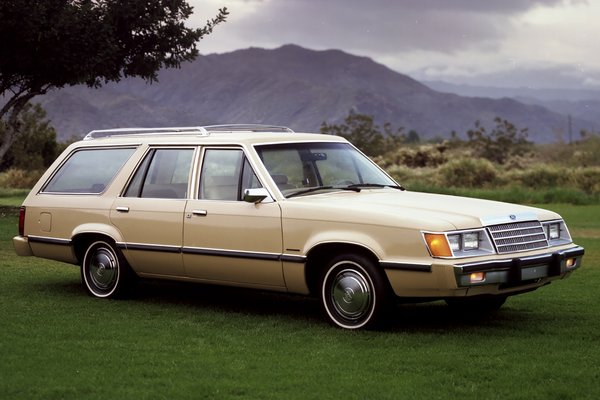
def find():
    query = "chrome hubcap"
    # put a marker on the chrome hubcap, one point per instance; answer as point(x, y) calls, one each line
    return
point(103, 270)
point(351, 294)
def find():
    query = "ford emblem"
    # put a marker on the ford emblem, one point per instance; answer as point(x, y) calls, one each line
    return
point(513, 217)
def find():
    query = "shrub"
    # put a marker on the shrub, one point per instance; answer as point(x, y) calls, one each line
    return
point(587, 179)
point(19, 178)
point(542, 176)
point(468, 173)
point(429, 155)
point(412, 178)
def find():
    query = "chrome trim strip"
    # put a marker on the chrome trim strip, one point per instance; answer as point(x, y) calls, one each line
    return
point(293, 258)
point(149, 247)
point(209, 252)
point(251, 255)
point(231, 253)
point(405, 266)
point(48, 240)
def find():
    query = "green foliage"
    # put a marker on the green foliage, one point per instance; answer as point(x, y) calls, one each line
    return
point(37, 147)
point(47, 44)
point(503, 141)
point(52, 44)
point(583, 153)
point(468, 172)
point(429, 155)
point(16, 178)
point(362, 131)
point(541, 176)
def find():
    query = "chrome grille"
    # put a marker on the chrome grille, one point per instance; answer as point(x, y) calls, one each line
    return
point(518, 236)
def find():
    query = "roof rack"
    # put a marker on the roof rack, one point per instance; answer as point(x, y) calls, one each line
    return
point(190, 130)
point(100, 133)
point(247, 128)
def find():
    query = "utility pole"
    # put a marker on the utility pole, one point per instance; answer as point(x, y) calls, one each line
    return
point(570, 129)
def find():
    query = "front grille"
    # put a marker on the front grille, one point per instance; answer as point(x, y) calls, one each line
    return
point(518, 236)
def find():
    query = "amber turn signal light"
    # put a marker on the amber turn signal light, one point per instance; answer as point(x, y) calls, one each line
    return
point(438, 245)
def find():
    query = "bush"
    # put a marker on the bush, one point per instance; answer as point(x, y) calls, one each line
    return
point(19, 178)
point(468, 173)
point(587, 179)
point(542, 176)
point(412, 178)
point(422, 156)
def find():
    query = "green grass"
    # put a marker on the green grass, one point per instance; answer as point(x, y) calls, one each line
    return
point(12, 197)
point(515, 194)
point(176, 341)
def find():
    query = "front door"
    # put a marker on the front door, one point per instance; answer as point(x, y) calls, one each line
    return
point(225, 239)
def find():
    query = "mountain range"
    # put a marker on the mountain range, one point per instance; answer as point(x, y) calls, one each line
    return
point(295, 87)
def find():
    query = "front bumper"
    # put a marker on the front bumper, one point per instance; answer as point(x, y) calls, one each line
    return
point(520, 271)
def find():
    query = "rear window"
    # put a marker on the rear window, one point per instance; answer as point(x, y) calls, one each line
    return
point(88, 171)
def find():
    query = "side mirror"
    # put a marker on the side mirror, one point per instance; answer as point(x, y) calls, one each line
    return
point(257, 195)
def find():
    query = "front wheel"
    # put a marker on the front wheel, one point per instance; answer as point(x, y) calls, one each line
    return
point(353, 292)
point(105, 272)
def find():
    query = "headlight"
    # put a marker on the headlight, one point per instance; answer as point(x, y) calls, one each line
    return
point(459, 244)
point(465, 241)
point(557, 232)
point(470, 241)
point(553, 231)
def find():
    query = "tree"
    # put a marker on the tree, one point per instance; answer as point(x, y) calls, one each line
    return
point(47, 44)
point(37, 147)
point(503, 141)
point(362, 131)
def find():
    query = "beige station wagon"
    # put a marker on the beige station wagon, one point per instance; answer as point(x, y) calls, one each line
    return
point(263, 207)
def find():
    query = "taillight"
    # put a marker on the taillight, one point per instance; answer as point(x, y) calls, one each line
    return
point(22, 222)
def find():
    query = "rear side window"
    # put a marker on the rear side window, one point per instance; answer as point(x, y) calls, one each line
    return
point(88, 171)
point(163, 174)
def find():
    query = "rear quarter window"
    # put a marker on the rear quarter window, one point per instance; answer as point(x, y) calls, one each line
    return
point(88, 171)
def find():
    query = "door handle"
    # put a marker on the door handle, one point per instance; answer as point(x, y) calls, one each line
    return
point(123, 209)
point(201, 213)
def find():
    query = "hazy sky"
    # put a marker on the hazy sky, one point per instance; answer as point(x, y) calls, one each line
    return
point(506, 43)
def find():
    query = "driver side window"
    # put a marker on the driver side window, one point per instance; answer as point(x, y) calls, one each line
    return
point(225, 174)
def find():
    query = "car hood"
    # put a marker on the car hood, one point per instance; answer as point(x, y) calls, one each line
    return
point(392, 207)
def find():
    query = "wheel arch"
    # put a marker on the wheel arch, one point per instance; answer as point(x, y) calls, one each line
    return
point(318, 257)
point(82, 240)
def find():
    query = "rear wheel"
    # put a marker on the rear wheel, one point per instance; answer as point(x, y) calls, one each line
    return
point(105, 272)
point(353, 292)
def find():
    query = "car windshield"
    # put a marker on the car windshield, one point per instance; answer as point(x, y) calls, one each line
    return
point(302, 168)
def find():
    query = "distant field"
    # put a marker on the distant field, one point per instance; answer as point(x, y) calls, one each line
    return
point(176, 341)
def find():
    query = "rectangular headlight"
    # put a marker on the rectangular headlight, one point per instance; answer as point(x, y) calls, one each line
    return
point(454, 242)
point(470, 240)
point(553, 231)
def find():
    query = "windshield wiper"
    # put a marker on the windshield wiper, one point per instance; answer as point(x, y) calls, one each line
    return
point(316, 188)
point(374, 185)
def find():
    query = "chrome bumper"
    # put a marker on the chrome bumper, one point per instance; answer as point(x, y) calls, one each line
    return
point(21, 245)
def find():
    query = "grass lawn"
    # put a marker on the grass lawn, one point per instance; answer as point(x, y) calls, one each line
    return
point(178, 341)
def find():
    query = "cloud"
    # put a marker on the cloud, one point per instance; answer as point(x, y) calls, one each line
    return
point(433, 39)
point(381, 26)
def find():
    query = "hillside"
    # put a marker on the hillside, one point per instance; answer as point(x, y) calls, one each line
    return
point(290, 86)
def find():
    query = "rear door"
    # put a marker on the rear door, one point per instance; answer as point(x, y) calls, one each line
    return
point(150, 212)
